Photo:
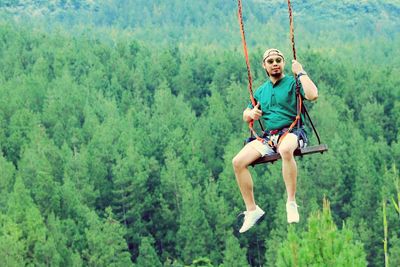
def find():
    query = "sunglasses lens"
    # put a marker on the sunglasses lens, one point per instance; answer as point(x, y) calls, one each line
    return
point(277, 60)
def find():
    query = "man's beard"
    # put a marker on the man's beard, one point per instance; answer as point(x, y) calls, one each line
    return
point(276, 74)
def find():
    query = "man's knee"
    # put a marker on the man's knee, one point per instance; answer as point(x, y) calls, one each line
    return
point(238, 164)
point(286, 152)
point(288, 146)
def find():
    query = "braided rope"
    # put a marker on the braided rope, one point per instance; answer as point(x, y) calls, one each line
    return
point(299, 103)
point(291, 29)
point(246, 55)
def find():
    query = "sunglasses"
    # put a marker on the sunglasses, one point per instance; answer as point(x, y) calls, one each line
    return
point(277, 60)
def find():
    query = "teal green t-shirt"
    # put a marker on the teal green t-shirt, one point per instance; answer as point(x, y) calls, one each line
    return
point(278, 102)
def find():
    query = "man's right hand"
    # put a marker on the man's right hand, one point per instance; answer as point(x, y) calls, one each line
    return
point(256, 113)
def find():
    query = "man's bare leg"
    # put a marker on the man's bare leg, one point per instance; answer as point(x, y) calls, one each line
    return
point(289, 167)
point(289, 172)
point(240, 163)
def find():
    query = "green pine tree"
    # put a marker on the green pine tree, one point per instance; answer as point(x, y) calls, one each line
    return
point(12, 244)
point(131, 196)
point(106, 245)
point(7, 171)
point(23, 212)
point(147, 254)
point(234, 255)
point(194, 231)
point(41, 169)
point(321, 245)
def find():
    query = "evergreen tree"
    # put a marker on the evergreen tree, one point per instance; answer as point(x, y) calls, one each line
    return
point(234, 256)
point(219, 218)
point(18, 132)
point(194, 231)
point(322, 244)
point(175, 134)
point(394, 251)
point(106, 245)
point(173, 185)
point(12, 246)
point(102, 152)
point(391, 194)
point(132, 194)
point(27, 218)
point(41, 169)
point(7, 171)
point(214, 123)
point(74, 221)
point(76, 172)
point(57, 250)
point(367, 188)
point(147, 255)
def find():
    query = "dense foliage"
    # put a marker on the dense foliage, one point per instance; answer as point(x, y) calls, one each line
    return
point(118, 154)
point(211, 22)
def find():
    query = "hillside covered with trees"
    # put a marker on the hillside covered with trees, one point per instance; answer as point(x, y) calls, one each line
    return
point(119, 122)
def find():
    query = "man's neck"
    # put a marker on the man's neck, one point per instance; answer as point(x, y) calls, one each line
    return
point(275, 79)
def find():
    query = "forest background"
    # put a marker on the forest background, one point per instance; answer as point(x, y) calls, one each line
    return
point(119, 120)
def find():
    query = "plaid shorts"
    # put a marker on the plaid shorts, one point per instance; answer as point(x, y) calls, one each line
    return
point(265, 149)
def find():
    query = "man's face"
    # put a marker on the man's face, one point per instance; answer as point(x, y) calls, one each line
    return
point(274, 65)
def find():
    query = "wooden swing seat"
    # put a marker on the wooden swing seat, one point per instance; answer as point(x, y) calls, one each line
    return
point(298, 152)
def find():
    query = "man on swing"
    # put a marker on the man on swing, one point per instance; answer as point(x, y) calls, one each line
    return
point(276, 106)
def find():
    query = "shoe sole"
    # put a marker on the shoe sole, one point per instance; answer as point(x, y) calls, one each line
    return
point(258, 221)
point(293, 221)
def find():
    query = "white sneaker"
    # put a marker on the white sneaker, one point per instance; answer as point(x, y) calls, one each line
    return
point(292, 213)
point(250, 218)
